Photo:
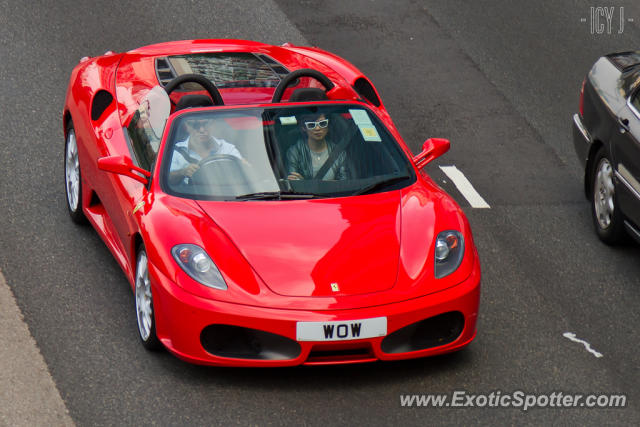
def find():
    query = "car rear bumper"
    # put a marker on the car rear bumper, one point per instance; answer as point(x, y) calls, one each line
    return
point(581, 139)
point(211, 332)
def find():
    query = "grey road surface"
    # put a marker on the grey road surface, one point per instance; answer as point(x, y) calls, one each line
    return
point(500, 79)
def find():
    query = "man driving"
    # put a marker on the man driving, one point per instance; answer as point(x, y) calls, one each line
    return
point(199, 145)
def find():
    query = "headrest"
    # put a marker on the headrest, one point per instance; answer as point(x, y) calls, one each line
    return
point(192, 101)
point(308, 94)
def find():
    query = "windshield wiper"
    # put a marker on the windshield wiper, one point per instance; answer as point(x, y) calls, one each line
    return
point(275, 195)
point(381, 184)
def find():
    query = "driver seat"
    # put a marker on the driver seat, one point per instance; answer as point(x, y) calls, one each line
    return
point(193, 101)
point(308, 94)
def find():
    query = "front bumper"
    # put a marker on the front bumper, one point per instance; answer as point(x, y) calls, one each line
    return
point(581, 139)
point(183, 322)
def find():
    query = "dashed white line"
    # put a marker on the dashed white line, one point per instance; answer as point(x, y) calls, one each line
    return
point(464, 187)
point(572, 337)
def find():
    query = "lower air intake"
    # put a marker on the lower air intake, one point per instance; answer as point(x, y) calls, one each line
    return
point(244, 343)
point(428, 333)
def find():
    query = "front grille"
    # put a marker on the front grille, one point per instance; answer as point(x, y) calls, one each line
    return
point(329, 353)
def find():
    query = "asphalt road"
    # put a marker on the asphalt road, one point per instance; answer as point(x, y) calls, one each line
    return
point(500, 79)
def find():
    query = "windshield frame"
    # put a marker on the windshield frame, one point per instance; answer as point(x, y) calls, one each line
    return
point(163, 160)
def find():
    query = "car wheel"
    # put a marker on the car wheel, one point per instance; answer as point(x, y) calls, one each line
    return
point(144, 304)
point(607, 218)
point(72, 179)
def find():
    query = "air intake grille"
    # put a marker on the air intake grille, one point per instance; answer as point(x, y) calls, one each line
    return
point(164, 71)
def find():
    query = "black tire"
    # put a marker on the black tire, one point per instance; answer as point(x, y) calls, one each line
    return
point(145, 314)
point(73, 176)
point(607, 217)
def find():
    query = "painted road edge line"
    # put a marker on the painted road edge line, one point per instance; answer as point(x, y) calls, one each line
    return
point(464, 187)
point(27, 391)
point(571, 336)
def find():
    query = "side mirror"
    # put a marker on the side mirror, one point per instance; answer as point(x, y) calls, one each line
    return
point(431, 149)
point(122, 165)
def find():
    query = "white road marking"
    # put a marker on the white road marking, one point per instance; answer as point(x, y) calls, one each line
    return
point(464, 186)
point(572, 337)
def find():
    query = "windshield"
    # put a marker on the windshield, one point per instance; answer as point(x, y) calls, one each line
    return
point(282, 153)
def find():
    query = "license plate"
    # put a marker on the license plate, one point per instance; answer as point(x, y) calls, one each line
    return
point(341, 330)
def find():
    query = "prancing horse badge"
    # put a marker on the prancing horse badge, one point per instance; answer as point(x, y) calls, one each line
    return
point(335, 287)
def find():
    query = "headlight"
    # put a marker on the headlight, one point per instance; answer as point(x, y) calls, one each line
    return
point(198, 265)
point(448, 253)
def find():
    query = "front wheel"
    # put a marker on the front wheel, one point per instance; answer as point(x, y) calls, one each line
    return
point(144, 304)
point(607, 218)
point(72, 177)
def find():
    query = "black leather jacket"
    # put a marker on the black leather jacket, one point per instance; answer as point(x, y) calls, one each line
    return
point(299, 160)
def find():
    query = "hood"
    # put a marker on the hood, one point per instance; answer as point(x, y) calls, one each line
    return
point(309, 248)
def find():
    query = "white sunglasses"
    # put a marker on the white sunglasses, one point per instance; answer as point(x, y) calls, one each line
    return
point(320, 124)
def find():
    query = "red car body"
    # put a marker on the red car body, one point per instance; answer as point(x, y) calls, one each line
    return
point(282, 260)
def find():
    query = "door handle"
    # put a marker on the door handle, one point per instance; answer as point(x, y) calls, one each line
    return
point(624, 125)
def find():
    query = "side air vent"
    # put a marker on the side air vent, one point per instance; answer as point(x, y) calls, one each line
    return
point(280, 70)
point(267, 59)
point(364, 88)
point(164, 71)
point(275, 66)
point(101, 102)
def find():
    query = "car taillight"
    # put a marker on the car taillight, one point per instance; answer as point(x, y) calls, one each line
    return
point(582, 98)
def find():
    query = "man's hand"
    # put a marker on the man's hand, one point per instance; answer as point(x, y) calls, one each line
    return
point(177, 176)
point(190, 170)
point(294, 176)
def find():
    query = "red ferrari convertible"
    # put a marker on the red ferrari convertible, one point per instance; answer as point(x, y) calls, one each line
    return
point(264, 207)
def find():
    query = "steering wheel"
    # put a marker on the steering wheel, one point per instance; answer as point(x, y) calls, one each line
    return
point(211, 162)
point(305, 72)
point(207, 84)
